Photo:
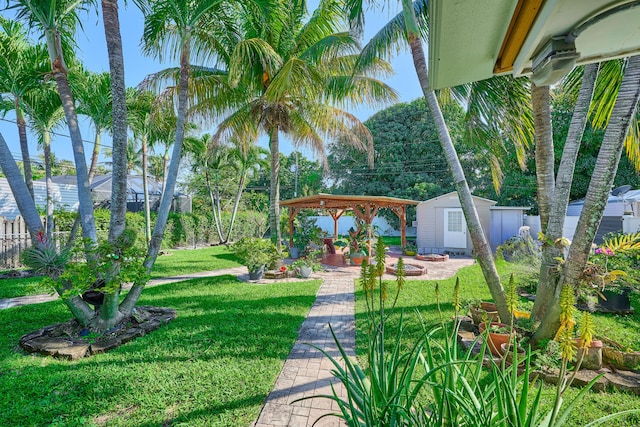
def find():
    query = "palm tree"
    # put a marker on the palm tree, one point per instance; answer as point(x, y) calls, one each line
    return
point(626, 103)
point(57, 20)
point(45, 113)
point(247, 159)
point(22, 67)
point(93, 92)
point(210, 160)
point(290, 75)
point(179, 29)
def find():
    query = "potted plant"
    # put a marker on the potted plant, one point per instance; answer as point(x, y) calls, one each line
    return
point(496, 335)
point(307, 264)
point(483, 311)
point(410, 249)
point(357, 239)
point(307, 233)
point(255, 253)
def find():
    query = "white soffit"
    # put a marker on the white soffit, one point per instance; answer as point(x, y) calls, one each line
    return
point(615, 36)
point(465, 37)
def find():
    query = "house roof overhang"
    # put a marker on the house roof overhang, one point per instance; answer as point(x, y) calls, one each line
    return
point(472, 40)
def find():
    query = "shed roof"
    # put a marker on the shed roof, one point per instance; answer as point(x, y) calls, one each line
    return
point(455, 193)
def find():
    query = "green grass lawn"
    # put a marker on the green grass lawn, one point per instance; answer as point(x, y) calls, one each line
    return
point(174, 262)
point(420, 296)
point(212, 366)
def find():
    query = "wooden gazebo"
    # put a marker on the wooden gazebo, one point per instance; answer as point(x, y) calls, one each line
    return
point(363, 207)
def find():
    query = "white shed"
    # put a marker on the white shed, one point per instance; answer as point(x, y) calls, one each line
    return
point(443, 228)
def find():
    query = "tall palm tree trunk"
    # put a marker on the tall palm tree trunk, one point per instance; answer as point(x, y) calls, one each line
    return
point(545, 173)
point(94, 155)
point(59, 71)
point(214, 211)
point(49, 183)
point(236, 203)
point(599, 187)
point(167, 195)
point(25, 203)
point(145, 189)
point(480, 244)
point(549, 276)
point(274, 194)
point(24, 147)
point(110, 315)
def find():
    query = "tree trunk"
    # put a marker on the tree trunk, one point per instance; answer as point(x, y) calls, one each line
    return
point(94, 155)
point(547, 288)
point(599, 188)
point(274, 194)
point(216, 221)
point(236, 203)
point(26, 205)
point(544, 151)
point(24, 147)
point(49, 183)
point(169, 189)
point(481, 246)
point(110, 315)
point(145, 189)
point(59, 71)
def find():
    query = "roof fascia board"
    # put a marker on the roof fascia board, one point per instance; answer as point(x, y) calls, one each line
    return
point(522, 19)
point(526, 51)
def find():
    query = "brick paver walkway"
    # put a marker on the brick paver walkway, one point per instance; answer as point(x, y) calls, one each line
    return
point(307, 372)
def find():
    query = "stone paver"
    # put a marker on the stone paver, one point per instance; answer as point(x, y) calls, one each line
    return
point(307, 371)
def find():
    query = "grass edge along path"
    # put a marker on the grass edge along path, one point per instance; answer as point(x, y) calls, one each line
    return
point(419, 295)
point(174, 262)
point(212, 366)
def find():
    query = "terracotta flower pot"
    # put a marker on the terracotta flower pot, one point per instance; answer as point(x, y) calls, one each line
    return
point(592, 359)
point(486, 312)
point(496, 339)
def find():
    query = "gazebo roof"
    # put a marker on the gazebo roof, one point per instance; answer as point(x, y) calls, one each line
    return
point(333, 201)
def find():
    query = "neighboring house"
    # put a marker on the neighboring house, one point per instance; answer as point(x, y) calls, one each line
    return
point(65, 196)
point(101, 192)
point(442, 228)
point(621, 213)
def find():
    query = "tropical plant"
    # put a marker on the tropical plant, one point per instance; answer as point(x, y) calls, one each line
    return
point(22, 68)
point(289, 74)
point(255, 253)
point(44, 109)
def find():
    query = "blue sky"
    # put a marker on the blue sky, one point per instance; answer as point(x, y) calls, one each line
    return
point(93, 53)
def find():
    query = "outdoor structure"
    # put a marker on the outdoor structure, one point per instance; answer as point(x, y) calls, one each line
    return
point(65, 196)
point(442, 227)
point(472, 40)
point(101, 192)
point(363, 207)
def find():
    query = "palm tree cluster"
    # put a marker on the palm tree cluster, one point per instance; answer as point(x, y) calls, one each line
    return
point(246, 68)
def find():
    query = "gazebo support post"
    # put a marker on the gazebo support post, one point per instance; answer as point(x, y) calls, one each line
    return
point(366, 212)
point(293, 212)
point(335, 214)
point(401, 212)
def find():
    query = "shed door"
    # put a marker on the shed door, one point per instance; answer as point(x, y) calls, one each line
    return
point(455, 229)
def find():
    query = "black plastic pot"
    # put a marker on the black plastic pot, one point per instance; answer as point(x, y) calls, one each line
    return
point(616, 300)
